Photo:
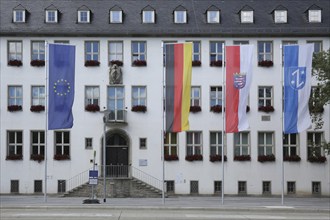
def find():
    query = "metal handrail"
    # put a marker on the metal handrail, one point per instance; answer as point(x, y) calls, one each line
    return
point(146, 178)
point(76, 180)
point(115, 116)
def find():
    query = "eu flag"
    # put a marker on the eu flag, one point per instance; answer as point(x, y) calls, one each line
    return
point(61, 86)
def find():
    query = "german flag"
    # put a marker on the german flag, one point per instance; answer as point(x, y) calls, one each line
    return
point(178, 62)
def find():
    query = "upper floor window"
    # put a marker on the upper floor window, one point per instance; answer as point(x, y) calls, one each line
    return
point(314, 144)
point(15, 50)
point(265, 143)
point(213, 16)
point(290, 145)
point(241, 144)
point(314, 16)
point(84, 15)
point(194, 143)
point(246, 16)
point(265, 96)
point(92, 50)
point(116, 103)
point(51, 16)
point(148, 15)
point(216, 96)
point(116, 16)
point(92, 97)
point(19, 16)
point(196, 56)
point(139, 53)
point(14, 145)
point(115, 51)
point(171, 146)
point(38, 95)
point(215, 143)
point(37, 143)
point(15, 96)
point(38, 50)
point(195, 99)
point(281, 16)
point(216, 52)
point(139, 96)
point(265, 51)
point(180, 15)
point(241, 42)
point(317, 45)
point(62, 145)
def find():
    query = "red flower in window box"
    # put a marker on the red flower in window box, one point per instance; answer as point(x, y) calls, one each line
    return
point(242, 158)
point(14, 108)
point(317, 159)
point(92, 108)
point(14, 157)
point(15, 63)
point(37, 157)
point(216, 108)
point(196, 63)
point(217, 157)
point(265, 63)
point(197, 157)
point(37, 108)
point(266, 158)
point(92, 63)
point(37, 63)
point(293, 158)
point(117, 62)
point(266, 109)
point(139, 108)
point(61, 157)
point(195, 109)
point(139, 63)
point(217, 63)
point(171, 157)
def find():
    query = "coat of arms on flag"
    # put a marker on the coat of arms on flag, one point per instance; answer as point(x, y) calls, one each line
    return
point(297, 77)
point(239, 80)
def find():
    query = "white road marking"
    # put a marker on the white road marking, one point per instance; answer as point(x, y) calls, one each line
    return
point(198, 216)
point(60, 215)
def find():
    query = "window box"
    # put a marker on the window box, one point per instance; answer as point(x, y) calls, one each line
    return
point(139, 63)
point(242, 158)
point(92, 108)
point(217, 63)
point(316, 109)
point(14, 157)
point(139, 108)
point(215, 158)
point(61, 157)
point(195, 109)
point(266, 158)
point(265, 63)
point(117, 62)
point(171, 157)
point(294, 158)
point(37, 108)
point(92, 63)
point(37, 63)
point(216, 108)
point(196, 63)
point(197, 157)
point(14, 108)
point(266, 109)
point(317, 159)
point(37, 157)
point(15, 63)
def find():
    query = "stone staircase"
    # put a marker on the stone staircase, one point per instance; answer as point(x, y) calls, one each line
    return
point(117, 188)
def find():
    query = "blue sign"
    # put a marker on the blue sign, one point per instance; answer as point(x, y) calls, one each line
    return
point(93, 177)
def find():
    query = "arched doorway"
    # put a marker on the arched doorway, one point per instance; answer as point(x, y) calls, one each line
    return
point(117, 154)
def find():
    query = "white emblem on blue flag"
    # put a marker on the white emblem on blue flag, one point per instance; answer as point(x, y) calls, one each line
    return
point(239, 80)
point(297, 77)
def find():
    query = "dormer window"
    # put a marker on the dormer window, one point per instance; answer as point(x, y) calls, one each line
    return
point(116, 15)
point(51, 16)
point(84, 16)
point(180, 15)
point(19, 16)
point(213, 17)
point(314, 16)
point(148, 16)
point(246, 16)
point(281, 16)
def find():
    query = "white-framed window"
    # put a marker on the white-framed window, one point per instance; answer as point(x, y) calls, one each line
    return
point(38, 50)
point(116, 103)
point(15, 144)
point(115, 51)
point(216, 143)
point(15, 95)
point(62, 143)
point(92, 95)
point(38, 95)
point(196, 56)
point(171, 144)
point(242, 144)
point(116, 16)
point(265, 96)
point(290, 145)
point(83, 16)
point(213, 17)
point(15, 50)
point(194, 143)
point(246, 16)
point(89, 143)
point(317, 45)
point(148, 16)
point(241, 42)
point(266, 143)
point(180, 17)
point(92, 50)
point(195, 99)
point(314, 16)
point(139, 95)
point(38, 143)
point(281, 16)
point(314, 144)
point(51, 16)
point(19, 16)
point(139, 50)
point(61, 42)
point(215, 96)
point(265, 50)
point(216, 53)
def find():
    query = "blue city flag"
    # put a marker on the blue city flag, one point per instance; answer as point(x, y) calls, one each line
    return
point(61, 86)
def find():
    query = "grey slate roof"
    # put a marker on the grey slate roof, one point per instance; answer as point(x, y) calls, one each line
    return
point(164, 27)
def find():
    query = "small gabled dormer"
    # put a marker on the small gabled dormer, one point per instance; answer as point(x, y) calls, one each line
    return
point(246, 15)
point(148, 15)
point(180, 15)
point(213, 15)
point(51, 14)
point(314, 14)
point(116, 15)
point(280, 15)
point(20, 14)
point(84, 14)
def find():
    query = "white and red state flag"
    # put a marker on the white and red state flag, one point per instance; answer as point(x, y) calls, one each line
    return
point(238, 81)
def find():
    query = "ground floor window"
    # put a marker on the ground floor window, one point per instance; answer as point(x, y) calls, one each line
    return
point(14, 186)
point(316, 188)
point(266, 187)
point(38, 186)
point(170, 186)
point(242, 187)
point(217, 186)
point(194, 187)
point(61, 186)
point(291, 187)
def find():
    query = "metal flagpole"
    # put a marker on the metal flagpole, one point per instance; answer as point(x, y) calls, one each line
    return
point(46, 121)
point(282, 156)
point(104, 163)
point(223, 124)
point(163, 129)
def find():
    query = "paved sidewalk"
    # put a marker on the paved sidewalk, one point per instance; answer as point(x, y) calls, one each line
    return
point(180, 202)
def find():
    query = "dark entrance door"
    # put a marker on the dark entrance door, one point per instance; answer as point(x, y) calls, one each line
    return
point(117, 156)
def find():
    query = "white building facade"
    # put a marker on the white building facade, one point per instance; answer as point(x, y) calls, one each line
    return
point(127, 31)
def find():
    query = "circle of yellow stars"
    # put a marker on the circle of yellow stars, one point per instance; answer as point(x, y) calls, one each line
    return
point(62, 82)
